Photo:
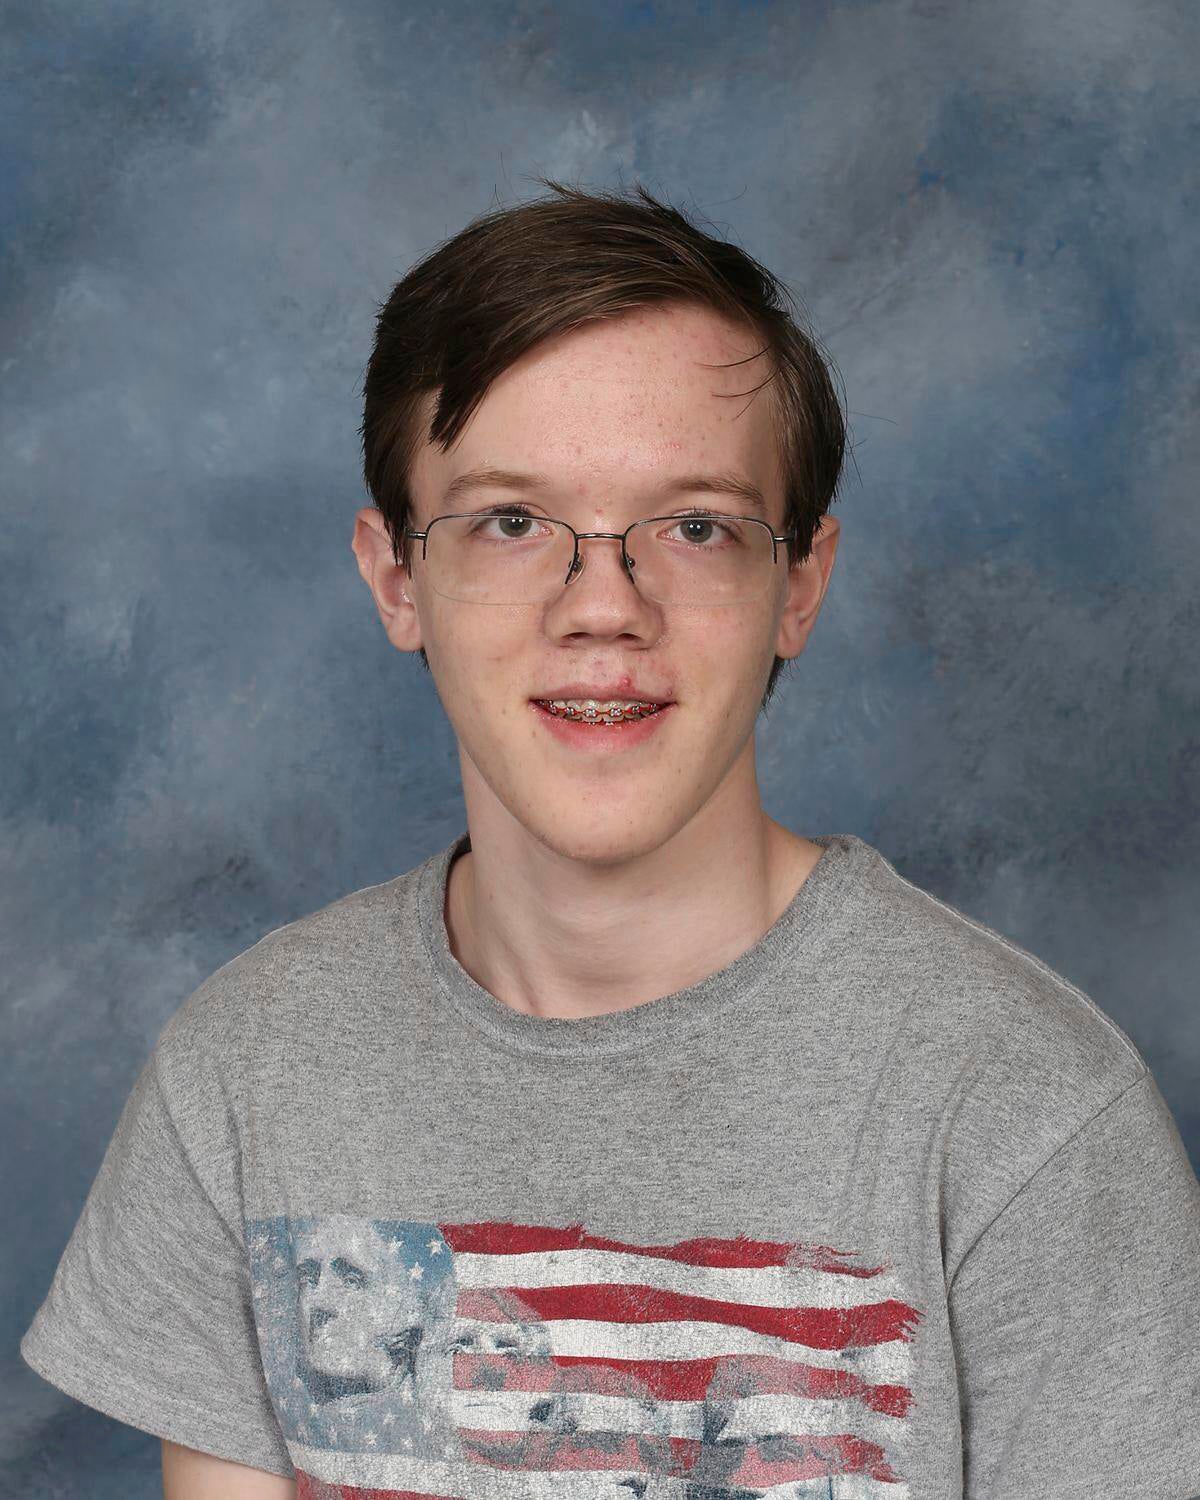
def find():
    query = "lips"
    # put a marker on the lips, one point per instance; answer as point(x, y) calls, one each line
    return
point(592, 711)
point(624, 690)
point(591, 730)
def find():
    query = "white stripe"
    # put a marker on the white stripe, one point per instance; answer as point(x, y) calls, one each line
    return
point(889, 1363)
point(839, 1487)
point(390, 1471)
point(767, 1286)
point(749, 1417)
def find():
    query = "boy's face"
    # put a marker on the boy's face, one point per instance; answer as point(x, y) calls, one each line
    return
point(609, 413)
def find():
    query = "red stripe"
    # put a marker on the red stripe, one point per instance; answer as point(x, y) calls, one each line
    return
point(804, 1457)
point(309, 1488)
point(818, 1327)
point(521, 1239)
point(725, 1377)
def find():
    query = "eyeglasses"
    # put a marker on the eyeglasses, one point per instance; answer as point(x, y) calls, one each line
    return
point(513, 556)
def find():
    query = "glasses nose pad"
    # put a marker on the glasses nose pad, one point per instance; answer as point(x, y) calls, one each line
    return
point(580, 562)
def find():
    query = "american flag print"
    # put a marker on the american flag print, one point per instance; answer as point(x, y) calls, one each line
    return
point(421, 1361)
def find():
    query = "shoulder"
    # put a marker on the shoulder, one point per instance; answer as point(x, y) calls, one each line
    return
point(978, 986)
point(283, 984)
point(1015, 1052)
point(1004, 1059)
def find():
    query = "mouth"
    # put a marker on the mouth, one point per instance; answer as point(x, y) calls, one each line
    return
point(599, 711)
point(589, 724)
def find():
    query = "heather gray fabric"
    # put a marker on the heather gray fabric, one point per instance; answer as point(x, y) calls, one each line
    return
point(885, 1208)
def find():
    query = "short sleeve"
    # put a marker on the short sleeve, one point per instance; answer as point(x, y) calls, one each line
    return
point(149, 1317)
point(1076, 1320)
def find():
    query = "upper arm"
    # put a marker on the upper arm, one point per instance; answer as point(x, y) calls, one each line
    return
point(150, 1315)
point(1076, 1318)
point(191, 1475)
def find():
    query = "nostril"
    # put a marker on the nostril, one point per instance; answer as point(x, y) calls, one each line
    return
point(319, 1317)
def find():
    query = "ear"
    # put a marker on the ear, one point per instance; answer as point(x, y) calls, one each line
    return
point(807, 582)
point(388, 581)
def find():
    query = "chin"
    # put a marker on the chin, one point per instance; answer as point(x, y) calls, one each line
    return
point(607, 842)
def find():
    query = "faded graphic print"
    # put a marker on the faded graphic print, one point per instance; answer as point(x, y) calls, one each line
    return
point(498, 1359)
point(343, 1306)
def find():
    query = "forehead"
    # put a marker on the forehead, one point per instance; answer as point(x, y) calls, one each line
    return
point(620, 405)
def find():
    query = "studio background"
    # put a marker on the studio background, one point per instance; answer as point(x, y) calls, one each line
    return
point(990, 215)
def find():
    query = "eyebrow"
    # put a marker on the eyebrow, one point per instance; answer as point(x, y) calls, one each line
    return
point(686, 484)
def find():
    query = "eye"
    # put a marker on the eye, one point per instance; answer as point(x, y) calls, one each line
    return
point(706, 532)
point(517, 517)
point(348, 1273)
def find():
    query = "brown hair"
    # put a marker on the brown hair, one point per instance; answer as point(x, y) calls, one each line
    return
point(516, 276)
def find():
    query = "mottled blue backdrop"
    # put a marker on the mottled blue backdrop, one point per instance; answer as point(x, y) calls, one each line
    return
point(990, 212)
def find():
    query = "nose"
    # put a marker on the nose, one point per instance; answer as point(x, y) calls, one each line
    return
point(595, 536)
point(318, 1318)
point(607, 606)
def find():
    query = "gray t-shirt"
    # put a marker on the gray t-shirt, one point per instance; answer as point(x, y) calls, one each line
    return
point(885, 1208)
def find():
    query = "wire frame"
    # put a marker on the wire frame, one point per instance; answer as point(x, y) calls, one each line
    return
point(472, 566)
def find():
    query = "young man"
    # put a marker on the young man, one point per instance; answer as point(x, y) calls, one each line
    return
point(632, 1144)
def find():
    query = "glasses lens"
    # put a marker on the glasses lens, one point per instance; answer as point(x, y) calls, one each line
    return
point(709, 559)
point(524, 559)
point(498, 559)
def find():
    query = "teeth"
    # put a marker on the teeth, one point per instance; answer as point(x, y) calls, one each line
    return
point(604, 705)
point(594, 711)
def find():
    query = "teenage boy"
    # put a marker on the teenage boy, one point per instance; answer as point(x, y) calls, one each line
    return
point(633, 1144)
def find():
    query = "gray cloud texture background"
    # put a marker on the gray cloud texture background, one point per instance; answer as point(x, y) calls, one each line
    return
point(990, 215)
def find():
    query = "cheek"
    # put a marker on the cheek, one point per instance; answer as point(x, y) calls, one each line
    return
point(724, 651)
point(476, 657)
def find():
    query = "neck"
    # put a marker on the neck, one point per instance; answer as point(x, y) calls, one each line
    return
point(555, 936)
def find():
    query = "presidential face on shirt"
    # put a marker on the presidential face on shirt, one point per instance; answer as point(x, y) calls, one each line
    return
point(358, 1305)
point(507, 1426)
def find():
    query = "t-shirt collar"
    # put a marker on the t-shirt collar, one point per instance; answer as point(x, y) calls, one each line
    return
point(819, 912)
